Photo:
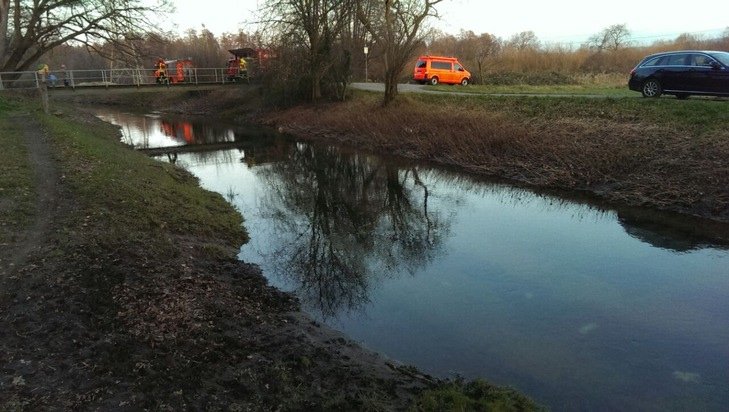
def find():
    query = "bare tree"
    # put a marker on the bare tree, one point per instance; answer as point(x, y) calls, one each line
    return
point(238, 40)
point(611, 38)
point(396, 27)
point(441, 43)
point(524, 41)
point(316, 24)
point(722, 43)
point(478, 49)
point(38, 26)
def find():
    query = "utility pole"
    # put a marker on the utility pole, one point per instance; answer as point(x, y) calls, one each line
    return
point(366, 52)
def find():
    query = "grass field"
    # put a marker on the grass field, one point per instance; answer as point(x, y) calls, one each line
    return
point(572, 89)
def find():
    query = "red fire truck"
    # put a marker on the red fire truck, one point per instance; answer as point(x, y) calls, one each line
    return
point(174, 71)
point(246, 63)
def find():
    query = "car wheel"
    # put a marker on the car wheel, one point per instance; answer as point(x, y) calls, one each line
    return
point(464, 82)
point(652, 88)
point(434, 80)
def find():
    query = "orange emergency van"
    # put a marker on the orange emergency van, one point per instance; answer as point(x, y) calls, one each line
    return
point(440, 69)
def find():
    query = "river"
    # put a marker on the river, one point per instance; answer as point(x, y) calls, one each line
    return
point(579, 305)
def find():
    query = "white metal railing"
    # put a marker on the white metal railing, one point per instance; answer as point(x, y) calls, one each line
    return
point(112, 78)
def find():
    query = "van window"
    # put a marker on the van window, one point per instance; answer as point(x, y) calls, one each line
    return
point(420, 64)
point(441, 65)
point(459, 68)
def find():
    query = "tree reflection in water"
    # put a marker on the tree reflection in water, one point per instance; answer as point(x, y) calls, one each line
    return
point(342, 221)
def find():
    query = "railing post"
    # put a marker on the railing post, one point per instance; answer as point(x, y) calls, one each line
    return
point(1, 83)
point(43, 91)
point(70, 77)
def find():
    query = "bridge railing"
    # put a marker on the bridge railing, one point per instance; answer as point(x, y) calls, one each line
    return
point(112, 78)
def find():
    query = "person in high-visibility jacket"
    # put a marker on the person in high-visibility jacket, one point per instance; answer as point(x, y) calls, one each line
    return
point(161, 73)
point(242, 67)
point(43, 71)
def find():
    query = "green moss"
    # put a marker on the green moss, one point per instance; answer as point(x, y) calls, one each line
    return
point(476, 395)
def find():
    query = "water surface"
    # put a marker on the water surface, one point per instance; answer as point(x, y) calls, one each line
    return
point(580, 306)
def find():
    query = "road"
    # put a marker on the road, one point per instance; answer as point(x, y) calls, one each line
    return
point(403, 88)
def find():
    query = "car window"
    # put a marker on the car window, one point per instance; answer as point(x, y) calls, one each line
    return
point(700, 60)
point(420, 64)
point(653, 61)
point(677, 60)
point(458, 67)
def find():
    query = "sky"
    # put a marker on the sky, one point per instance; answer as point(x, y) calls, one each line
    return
point(554, 21)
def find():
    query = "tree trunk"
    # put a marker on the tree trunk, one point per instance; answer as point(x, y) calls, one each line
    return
point(390, 87)
point(4, 16)
point(315, 88)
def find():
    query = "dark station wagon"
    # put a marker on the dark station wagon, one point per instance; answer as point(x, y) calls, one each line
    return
point(682, 73)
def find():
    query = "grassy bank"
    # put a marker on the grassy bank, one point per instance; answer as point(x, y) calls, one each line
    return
point(16, 180)
point(571, 89)
point(133, 298)
point(120, 191)
point(661, 153)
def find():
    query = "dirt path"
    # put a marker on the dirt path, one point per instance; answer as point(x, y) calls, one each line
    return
point(46, 180)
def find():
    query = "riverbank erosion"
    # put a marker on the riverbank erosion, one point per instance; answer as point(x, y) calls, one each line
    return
point(665, 154)
point(120, 290)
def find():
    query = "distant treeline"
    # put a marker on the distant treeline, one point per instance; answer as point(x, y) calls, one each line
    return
point(523, 58)
point(492, 60)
